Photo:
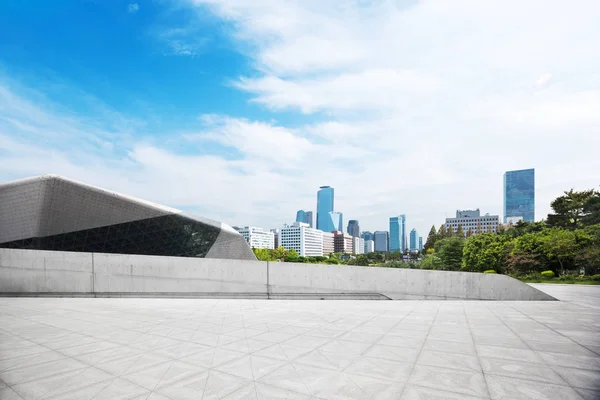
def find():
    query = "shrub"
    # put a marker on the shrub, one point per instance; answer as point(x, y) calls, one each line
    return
point(569, 278)
point(489, 271)
point(548, 274)
point(596, 277)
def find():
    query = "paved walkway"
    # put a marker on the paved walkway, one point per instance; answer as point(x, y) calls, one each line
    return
point(160, 349)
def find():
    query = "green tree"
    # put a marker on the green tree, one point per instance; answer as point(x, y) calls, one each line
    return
point(450, 232)
point(430, 261)
point(591, 210)
point(470, 233)
point(569, 209)
point(589, 259)
point(291, 256)
point(441, 232)
point(560, 245)
point(262, 254)
point(459, 232)
point(431, 239)
point(278, 253)
point(360, 259)
point(450, 252)
point(485, 251)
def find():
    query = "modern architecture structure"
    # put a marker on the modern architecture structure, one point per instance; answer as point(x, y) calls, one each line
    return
point(307, 242)
point(512, 220)
point(420, 243)
point(50, 212)
point(337, 221)
point(328, 243)
point(367, 235)
point(519, 195)
point(381, 239)
point(342, 242)
point(369, 246)
point(353, 228)
point(275, 237)
point(472, 219)
point(324, 208)
point(398, 233)
point(414, 240)
point(358, 245)
point(305, 217)
point(258, 238)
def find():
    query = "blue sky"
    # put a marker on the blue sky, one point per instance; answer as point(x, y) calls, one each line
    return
point(240, 110)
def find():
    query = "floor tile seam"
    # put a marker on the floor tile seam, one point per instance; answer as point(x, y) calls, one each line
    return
point(408, 383)
point(477, 352)
point(531, 349)
point(566, 385)
point(107, 381)
point(553, 330)
point(420, 350)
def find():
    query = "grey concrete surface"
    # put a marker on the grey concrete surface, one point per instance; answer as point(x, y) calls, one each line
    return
point(172, 349)
point(46, 272)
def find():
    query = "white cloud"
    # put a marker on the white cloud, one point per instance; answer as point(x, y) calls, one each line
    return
point(418, 110)
point(133, 8)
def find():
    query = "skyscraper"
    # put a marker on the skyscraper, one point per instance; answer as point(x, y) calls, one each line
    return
point(414, 240)
point(337, 221)
point(367, 235)
point(398, 233)
point(324, 208)
point(519, 194)
point(420, 243)
point(305, 217)
point(381, 241)
point(353, 228)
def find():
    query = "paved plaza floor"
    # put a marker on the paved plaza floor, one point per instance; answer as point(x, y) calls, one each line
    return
point(161, 349)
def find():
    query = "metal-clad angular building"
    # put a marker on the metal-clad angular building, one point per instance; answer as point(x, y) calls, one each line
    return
point(50, 212)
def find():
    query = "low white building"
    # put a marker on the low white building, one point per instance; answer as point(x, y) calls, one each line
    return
point(369, 246)
point(307, 242)
point(358, 245)
point(473, 220)
point(258, 238)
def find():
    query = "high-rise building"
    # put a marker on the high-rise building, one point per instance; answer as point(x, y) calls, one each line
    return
point(276, 237)
point(342, 242)
point(307, 242)
point(369, 246)
point(324, 208)
point(358, 245)
point(258, 238)
point(420, 243)
point(381, 239)
point(328, 243)
point(337, 221)
point(353, 228)
point(414, 240)
point(398, 233)
point(472, 219)
point(519, 194)
point(367, 235)
point(305, 217)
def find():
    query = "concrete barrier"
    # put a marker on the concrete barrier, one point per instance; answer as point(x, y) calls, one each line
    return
point(34, 272)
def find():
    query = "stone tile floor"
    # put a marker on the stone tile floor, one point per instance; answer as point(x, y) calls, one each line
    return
point(161, 349)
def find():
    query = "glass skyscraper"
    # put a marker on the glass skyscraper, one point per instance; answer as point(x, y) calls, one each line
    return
point(324, 209)
point(414, 240)
point(353, 228)
point(381, 241)
point(305, 217)
point(398, 233)
point(519, 194)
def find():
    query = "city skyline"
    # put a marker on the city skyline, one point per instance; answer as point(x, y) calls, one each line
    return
point(209, 107)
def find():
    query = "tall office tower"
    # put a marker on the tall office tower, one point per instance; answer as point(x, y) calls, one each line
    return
point(381, 241)
point(367, 235)
point(337, 221)
point(306, 217)
point(420, 243)
point(398, 233)
point(519, 195)
point(324, 208)
point(353, 228)
point(414, 240)
point(369, 246)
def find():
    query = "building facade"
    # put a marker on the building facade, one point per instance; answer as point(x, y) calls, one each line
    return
point(381, 239)
point(328, 243)
point(50, 212)
point(358, 245)
point(307, 242)
point(305, 217)
point(369, 246)
point(258, 238)
point(342, 242)
point(324, 208)
point(398, 234)
point(519, 195)
point(337, 221)
point(353, 228)
point(473, 220)
point(275, 237)
point(414, 240)
point(420, 243)
point(367, 235)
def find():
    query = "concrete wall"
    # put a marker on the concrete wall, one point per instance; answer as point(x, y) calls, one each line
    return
point(48, 272)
